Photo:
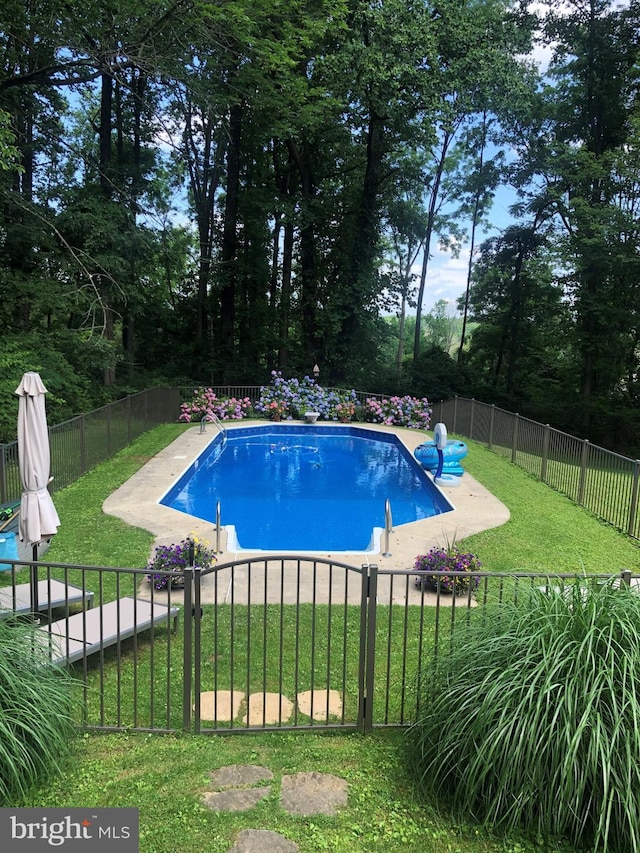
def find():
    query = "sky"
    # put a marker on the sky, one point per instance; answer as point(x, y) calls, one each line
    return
point(447, 275)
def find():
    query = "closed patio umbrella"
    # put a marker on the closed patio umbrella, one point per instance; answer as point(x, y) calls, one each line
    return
point(38, 517)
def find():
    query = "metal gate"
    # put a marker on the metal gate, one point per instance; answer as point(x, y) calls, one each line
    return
point(283, 642)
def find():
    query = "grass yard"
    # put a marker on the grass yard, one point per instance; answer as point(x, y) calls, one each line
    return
point(164, 776)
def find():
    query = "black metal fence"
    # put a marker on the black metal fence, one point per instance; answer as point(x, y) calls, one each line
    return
point(603, 482)
point(81, 443)
point(262, 644)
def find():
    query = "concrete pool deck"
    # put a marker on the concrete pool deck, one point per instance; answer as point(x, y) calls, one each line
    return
point(137, 503)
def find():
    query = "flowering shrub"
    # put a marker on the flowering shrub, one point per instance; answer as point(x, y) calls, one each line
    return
point(175, 558)
point(399, 411)
point(294, 397)
point(205, 403)
point(442, 561)
point(345, 411)
point(276, 410)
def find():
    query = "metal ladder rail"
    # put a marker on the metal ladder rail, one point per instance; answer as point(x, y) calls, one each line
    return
point(215, 420)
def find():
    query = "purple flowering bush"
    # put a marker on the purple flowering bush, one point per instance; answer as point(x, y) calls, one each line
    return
point(175, 558)
point(291, 398)
point(404, 411)
point(435, 566)
point(205, 404)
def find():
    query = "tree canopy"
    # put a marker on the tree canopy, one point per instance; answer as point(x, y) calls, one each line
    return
point(205, 192)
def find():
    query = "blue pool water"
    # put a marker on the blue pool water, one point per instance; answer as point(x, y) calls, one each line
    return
point(305, 488)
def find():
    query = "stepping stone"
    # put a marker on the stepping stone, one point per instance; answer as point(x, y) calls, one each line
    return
point(221, 706)
point(237, 775)
point(313, 793)
point(319, 698)
point(236, 799)
point(267, 708)
point(262, 841)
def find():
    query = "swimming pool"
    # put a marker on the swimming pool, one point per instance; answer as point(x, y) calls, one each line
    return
point(291, 488)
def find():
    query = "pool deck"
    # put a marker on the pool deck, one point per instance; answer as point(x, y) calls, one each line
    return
point(137, 503)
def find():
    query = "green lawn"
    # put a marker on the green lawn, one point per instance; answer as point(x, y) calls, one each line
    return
point(164, 776)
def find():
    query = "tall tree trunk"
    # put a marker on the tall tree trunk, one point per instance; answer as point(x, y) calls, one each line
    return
point(106, 106)
point(229, 247)
point(308, 259)
point(285, 295)
point(474, 226)
point(434, 202)
point(365, 239)
point(104, 134)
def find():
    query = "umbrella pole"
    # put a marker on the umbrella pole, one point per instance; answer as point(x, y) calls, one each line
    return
point(34, 583)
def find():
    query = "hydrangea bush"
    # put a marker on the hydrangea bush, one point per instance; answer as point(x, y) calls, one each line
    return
point(205, 404)
point(175, 558)
point(438, 562)
point(404, 411)
point(291, 398)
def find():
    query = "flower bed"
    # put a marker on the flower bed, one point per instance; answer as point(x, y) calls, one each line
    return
point(291, 398)
point(404, 411)
point(175, 558)
point(206, 404)
point(435, 567)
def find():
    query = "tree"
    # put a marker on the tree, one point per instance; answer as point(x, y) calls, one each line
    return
point(595, 66)
point(522, 321)
point(475, 63)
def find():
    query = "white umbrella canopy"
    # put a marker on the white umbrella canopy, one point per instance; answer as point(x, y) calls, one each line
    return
point(38, 516)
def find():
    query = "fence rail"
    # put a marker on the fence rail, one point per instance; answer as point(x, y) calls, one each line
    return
point(601, 481)
point(265, 644)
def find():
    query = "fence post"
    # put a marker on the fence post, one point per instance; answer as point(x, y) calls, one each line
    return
point(187, 662)
point(491, 420)
point(455, 414)
point(514, 440)
point(545, 453)
point(583, 470)
point(3, 475)
point(369, 574)
point(625, 577)
point(473, 405)
point(109, 430)
point(634, 499)
point(197, 636)
point(371, 647)
point(129, 419)
point(83, 449)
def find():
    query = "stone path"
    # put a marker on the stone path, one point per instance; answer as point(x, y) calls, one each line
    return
point(239, 787)
point(268, 708)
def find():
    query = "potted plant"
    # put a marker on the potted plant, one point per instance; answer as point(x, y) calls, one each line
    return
point(175, 558)
point(436, 566)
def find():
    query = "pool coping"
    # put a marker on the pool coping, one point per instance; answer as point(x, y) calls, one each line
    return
point(137, 503)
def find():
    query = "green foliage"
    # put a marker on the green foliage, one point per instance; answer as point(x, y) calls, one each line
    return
point(37, 706)
point(9, 154)
point(530, 720)
point(68, 393)
point(435, 374)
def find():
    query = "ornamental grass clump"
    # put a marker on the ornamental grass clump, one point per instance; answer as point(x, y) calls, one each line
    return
point(531, 720)
point(38, 704)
